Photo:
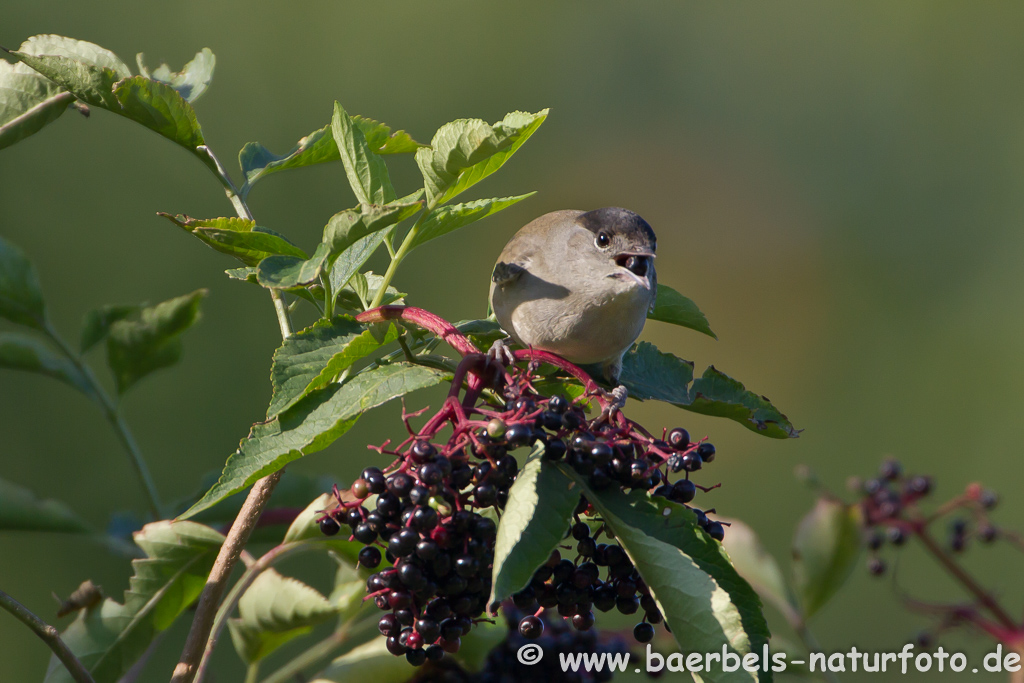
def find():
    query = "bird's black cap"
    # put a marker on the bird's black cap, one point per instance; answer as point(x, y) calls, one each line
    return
point(619, 221)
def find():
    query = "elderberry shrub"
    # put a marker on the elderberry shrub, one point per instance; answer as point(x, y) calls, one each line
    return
point(428, 519)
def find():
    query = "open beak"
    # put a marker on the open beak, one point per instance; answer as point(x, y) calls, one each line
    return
point(639, 264)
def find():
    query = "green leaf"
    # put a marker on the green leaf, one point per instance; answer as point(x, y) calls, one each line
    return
point(483, 333)
point(466, 151)
point(136, 348)
point(160, 108)
point(445, 219)
point(650, 374)
point(284, 272)
point(87, 71)
point(759, 568)
point(672, 307)
point(539, 510)
point(191, 81)
point(274, 610)
point(312, 424)
point(319, 147)
point(19, 352)
point(705, 601)
point(825, 549)
point(96, 324)
point(368, 662)
point(110, 637)
point(21, 510)
point(367, 173)
point(345, 228)
point(237, 237)
point(478, 644)
point(348, 299)
point(21, 299)
point(28, 101)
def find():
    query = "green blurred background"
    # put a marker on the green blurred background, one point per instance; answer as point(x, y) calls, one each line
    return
point(838, 186)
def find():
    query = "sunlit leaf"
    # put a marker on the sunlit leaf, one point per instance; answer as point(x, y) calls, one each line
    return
point(465, 151)
point(368, 662)
point(312, 424)
point(237, 237)
point(445, 219)
point(367, 172)
point(191, 81)
point(274, 610)
point(110, 637)
point(825, 549)
point(346, 228)
point(672, 307)
point(21, 510)
point(283, 272)
point(87, 71)
point(28, 101)
point(137, 347)
point(160, 108)
point(20, 352)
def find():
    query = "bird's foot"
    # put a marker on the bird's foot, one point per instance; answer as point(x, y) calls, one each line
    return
point(501, 353)
point(616, 402)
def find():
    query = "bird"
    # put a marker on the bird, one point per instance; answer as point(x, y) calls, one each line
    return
point(578, 284)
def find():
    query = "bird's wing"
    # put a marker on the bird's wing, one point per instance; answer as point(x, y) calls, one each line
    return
point(505, 272)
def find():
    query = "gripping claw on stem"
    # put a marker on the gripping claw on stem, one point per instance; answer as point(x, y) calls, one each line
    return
point(616, 402)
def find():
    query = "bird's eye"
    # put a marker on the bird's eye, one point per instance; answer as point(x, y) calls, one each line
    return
point(603, 240)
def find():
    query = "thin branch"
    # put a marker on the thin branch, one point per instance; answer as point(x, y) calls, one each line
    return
point(49, 635)
point(113, 416)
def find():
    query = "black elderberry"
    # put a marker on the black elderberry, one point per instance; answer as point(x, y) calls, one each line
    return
point(554, 449)
point(896, 535)
point(876, 566)
point(394, 646)
point(485, 495)
point(571, 421)
point(364, 534)
point(431, 474)
point(422, 452)
point(920, 485)
point(890, 470)
point(416, 657)
point(531, 627)
point(988, 499)
point(716, 531)
point(419, 495)
point(369, 557)
point(706, 452)
point(329, 527)
point(679, 438)
point(374, 479)
point(435, 653)
point(643, 632)
point(627, 605)
point(583, 621)
point(400, 484)
point(683, 491)
point(450, 629)
point(403, 543)
point(518, 435)
point(388, 625)
point(692, 462)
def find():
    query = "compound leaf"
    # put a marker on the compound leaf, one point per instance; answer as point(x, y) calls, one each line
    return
point(672, 307)
point(445, 219)
point(367, 172)
point(191, 81)
point(237, 237)
point(159, 107)
point(84, 69)
point(28, 102)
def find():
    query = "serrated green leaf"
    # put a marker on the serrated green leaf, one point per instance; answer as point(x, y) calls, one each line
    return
point(368, 662)
point(284, 272)
point(274, 610)
point(465, 151)
point(28, 102)
point(96, 324)
point(191, 81)
point(110, 637)
point(305, 528)
point(759, 568)
point(651, 374)
point(367, 172)
point(312, 424)
point(21, 299)
point(237, 237)
point(312, 358)
point(826, 546)
point(703, 598)
point(80, 50)
point(87, 71)
point(160, 108)
point(445, 219)
point(136, 348)
point(537, 514)
point(21, 510)
point(345, 228)
point(319, 147)
point(672, 307)
point(19, 352)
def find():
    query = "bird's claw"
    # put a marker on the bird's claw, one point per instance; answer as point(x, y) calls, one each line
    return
point(616, 402)
point(501, 353)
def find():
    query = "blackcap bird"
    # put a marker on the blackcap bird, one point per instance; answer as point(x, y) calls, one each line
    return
point(578, 284)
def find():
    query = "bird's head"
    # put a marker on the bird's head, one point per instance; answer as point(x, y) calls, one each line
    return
point(621, 243)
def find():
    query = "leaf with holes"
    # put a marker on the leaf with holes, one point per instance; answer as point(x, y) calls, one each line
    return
point(650, 374)
point(826, 546)
point(111, 636)
point(84, 69)
point(312, 424)
point(274, 610)
point(465, 151)
point(19, 352)
point(137, 347)
point(672, 307)
point(191, 81)
point(539, 510)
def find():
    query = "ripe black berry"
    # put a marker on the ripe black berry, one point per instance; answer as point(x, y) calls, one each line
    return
point(706, 451)
point(876, 566)
point(683, 491)
point(531, 627)
point(692, 462)
point(329, 527)
point(374, 479)
point(583, 621)
point(679, 438)
point(518, 435)
point(369, 557)
point(643, 632)
point(422, 452)
point(716, 531)
point(416, 657)
point(364, 534)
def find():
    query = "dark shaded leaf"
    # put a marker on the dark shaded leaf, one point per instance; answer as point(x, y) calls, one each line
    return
point(284, 272)
point(702, 597)
point(96, 324)
point(110, 637)
point(274, 610)
point(825, 549)
point(650, 374)
point(160, 108)
point(21, 510)
point(445, 219)
point(191, 81)
point(539, 510)
point(465, 151)
point(367, 172)
point(21, 299)
point(312, 424)
point(319, 147)
point(672, 307)
point(19, 352)
point(136, 348)
point(237, 237)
